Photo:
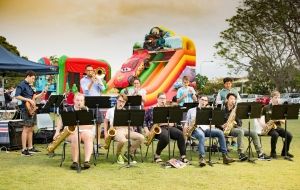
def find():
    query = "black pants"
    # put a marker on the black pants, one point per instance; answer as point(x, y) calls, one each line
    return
point(275, 133)
point(175, 134)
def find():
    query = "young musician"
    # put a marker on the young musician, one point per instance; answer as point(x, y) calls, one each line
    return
point(238, 131)
point(279, 131)
point(122, 132)
point(137, 90)
point(186, 93)
point(203, 131)
point(86, 133)
point(221, 97)
point(25, 93)
point(90, 84)
point(163, 137)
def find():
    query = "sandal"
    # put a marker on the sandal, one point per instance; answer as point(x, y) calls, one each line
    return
point(184, 160)
point(157, 159)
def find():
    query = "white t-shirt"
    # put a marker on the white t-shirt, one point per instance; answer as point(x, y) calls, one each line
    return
point(191, 114)
point(110, 113)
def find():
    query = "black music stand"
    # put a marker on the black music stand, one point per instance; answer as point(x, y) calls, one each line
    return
point(54, 102)
point(167, 115)
point(133, 101)
point(286, 111)
point(209, 116)
point(188, 106)
point(248, 110)
point(98, 102)
point(128, 118)
point(81, 117)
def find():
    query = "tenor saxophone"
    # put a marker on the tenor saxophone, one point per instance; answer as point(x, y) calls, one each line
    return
point(230, 122)
point(62, 136)
point(111, 133)
point(155, 129)
point(191, 128)
point(271, 124)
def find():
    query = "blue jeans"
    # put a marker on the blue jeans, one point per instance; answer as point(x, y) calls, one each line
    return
point(200, 135)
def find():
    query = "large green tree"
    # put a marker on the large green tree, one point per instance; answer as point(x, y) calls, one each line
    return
point(263, 37)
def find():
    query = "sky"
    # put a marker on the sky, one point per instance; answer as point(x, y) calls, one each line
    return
point(107, 29)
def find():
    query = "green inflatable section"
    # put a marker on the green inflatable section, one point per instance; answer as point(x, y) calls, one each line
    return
point(61, 74)
point(153, 65)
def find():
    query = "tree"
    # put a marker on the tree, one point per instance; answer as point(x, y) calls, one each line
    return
point(200, 82)
point(263, 34)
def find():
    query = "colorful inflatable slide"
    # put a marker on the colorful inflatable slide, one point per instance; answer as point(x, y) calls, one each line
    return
point(165, 67)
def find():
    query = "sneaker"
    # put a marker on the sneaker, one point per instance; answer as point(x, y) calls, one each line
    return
point(288, 154)
point(184, 160)
point(74, 166)
point(157, 159)
point(263, 156)
point(243, 157)
point(120, 159)
point(202, 161)
point(233, 143)
point(131, 158)
point(86, 165)
point(26, 153)
point(273, 155)
point(227, 159)
point(33, 150)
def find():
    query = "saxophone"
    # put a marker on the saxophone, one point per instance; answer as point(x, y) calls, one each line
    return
point(155, 129)
point(111, 133)
point(62, 136)
point(230, 123)
point(271, 124)
point(191, 128)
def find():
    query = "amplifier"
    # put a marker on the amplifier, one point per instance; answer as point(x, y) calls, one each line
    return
point(11, 133)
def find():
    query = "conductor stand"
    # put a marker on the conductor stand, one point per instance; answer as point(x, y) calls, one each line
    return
point(167, 115)
point(285, 112)
point(128, 118)
point(97, 103)
point(209, 116)
point(249, 110)
point(81, 117)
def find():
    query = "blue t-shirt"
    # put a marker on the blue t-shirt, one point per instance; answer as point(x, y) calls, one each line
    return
point(24, 89)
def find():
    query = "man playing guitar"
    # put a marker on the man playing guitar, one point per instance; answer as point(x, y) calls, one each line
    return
point(25, 93)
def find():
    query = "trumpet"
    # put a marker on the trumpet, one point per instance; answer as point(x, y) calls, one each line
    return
point(111, 133)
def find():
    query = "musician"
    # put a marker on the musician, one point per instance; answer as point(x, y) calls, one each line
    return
point(279, 131)
point(86, 135)
point(163, 137)
point(25, 93)
point(186, 93)
point(91, 84)
point(203, 131)
point(137, 90)
point(221, 97)
point(239, 132)
point(122, 132)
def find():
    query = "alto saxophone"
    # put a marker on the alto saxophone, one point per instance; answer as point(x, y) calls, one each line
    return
point(271, 124)
point(155, 129)
point(62, 136)
point(111, 133)
point(230, 122)
point(191, 128)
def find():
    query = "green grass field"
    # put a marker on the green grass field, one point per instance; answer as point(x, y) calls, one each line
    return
point(42, 172)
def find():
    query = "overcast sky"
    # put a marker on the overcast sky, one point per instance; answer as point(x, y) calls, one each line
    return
point(107, 29)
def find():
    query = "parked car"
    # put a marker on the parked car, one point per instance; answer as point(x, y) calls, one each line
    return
point(249, 97)
point(264, 100)
point(288, 98)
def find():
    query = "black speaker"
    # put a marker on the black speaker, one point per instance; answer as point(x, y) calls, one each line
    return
point(15, 129)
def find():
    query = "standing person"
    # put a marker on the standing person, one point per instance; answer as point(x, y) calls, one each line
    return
point(203, 131)
point(186, 94)
point(221, 97)
point(137, 90)
point(93, 86)
point(278, 131)
point(86, 135)
point(163, 137)
point(122, 132)
point(25, 93)
point(238, 131)
point(90, 84)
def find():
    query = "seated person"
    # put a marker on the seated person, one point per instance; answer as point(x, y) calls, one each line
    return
point(163, 137)
point(86, 135)
point(122, 132)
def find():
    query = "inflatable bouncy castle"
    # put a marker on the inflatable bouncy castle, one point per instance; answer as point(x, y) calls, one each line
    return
point(160, 62)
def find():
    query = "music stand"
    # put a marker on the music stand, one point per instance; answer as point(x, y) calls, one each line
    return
point(209, 116)
point(133, 101)
point(286, 111)
point(248, 110)
point(81, 117)
point(128, 118)
point(54, 102)
point(96, 103)
point(167, 115)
